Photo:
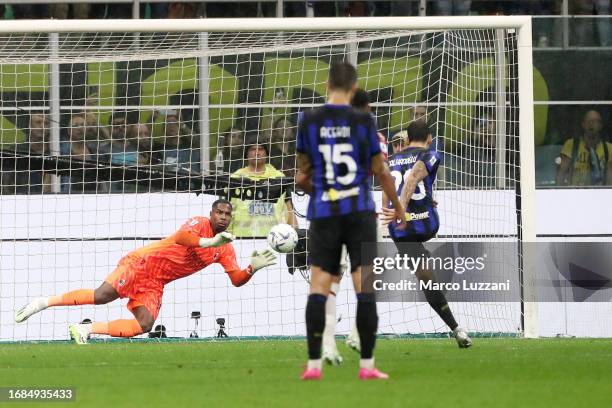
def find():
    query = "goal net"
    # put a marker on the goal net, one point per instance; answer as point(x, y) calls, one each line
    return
point(112, 139)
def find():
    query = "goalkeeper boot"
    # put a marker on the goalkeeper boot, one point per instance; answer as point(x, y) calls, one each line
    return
point(31, 308)
point(372, 374)
point(462, 337)
point(80, 332)
point(331, 355)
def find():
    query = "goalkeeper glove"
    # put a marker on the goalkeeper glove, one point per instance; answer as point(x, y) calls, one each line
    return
point(261, 260)
point(221, 238)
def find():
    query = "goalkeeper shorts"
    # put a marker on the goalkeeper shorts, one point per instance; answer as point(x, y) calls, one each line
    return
point(131, 280)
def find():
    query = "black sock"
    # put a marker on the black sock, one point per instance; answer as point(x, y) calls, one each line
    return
point(438, 302)
point(367, 323)
point(315, 324)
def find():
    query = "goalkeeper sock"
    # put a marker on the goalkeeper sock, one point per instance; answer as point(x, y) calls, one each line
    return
point(437, 301)
point(118, 328)
point(367, 323)
point(76, 297)
point(329, 333)
point(315, 323)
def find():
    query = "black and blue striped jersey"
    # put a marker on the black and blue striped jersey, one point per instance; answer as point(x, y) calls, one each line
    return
point(340, 143)
point(424, 220)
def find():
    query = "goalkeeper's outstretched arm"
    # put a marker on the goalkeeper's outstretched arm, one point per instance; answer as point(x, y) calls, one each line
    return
point(259, 260)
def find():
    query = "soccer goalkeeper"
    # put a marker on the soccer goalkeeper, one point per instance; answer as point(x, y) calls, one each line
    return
point(142, 274)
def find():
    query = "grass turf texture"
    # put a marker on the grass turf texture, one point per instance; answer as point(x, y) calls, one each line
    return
point(424, 373)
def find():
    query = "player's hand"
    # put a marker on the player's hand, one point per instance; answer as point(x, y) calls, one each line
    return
point(393, 215)
point(262, 259)
point(222, 238)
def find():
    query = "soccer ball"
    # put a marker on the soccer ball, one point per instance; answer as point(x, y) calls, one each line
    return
point(282, 238)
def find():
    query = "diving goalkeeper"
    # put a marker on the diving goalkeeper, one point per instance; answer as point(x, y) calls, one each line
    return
point(142, 274)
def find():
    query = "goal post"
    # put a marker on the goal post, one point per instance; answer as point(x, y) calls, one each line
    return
point(221, 77)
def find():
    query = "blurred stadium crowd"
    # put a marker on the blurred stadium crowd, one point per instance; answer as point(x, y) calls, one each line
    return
point(582, 158)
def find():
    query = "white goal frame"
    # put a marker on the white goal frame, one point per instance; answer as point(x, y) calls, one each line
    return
point(522, 25)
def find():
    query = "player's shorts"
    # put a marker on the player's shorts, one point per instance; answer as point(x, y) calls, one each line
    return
point(131, 280)
point(414, 247)
point(327, 235)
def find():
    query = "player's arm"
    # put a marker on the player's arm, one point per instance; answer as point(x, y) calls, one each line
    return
point(381, 171)
point(190, 235)
point(412, 178)
point(259, 259)
point(291, 217)
point(192, 240)
point(303, 178)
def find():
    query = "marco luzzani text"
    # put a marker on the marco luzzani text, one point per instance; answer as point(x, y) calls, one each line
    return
point(458, 265)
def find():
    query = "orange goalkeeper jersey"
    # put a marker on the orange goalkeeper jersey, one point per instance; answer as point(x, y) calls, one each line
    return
point(165, 260)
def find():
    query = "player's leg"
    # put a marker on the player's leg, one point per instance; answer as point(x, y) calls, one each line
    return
point(145, 308)
point(144, 304)
point(320, 285)
point(352, 340)
point(330, 350)
point(438, 303)
point(362, 230)
point(325, 253)
point(437, 300)
point(102, 295)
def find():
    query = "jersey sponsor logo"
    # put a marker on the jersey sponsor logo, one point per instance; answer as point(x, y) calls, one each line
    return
point(335, 195)
point(403, 160)
point(261, 208)
point(332, 132)
point(417, 216)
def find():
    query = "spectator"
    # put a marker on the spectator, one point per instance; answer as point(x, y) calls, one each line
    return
point(130, 145)
point(358, 8)
point(112, 10)
point(398, 141)
point(78, 148)
point(39, 141)
point(180, 148)
point(234, 150)
point(33, 180)
point(283, 146)
point(184, 10)
point(474, 161)
point(81, 145)
point(588, 30)
point(254, 218)
point(585, 159)
point(63, 11)
point(420, 113)
point(139, 134)
point(97, 137)
point(453, 7)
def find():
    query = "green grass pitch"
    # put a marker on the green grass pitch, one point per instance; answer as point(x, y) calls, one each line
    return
point(424, 373)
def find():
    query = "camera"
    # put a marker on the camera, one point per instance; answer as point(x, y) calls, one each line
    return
point(221, 322)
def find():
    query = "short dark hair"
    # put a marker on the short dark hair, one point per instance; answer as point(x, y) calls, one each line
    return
point(216, 203)
point(253, 140)
point(360, 100)
point(342, 76)
point(418, 131)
